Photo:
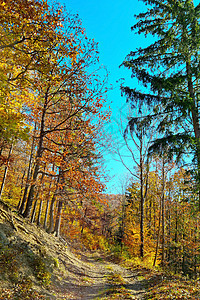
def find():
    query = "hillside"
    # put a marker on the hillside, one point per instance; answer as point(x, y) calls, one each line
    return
point(36, 265)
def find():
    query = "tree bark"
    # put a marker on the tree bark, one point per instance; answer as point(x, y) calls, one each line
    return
point(51, 212)
point(176, 238)
point(5, 172)
point(58, 218)
point(46, 213)
point(163, 212)
point(48, 202)
point(29, 202)
point(34, 212)
point(22, 205)
point(51, 215)
point(39, 213)
point(22, 183)
point(141, 205)
point(158, 235)
point(195, 120)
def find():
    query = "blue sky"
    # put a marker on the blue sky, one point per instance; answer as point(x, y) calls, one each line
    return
point(109, 23)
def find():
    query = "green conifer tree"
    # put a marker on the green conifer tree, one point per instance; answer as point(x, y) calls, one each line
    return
point(169, 71)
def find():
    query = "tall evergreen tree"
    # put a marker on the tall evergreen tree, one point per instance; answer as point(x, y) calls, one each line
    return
point(169, 71)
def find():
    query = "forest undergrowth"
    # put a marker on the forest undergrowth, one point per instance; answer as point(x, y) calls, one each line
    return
point(37, 265)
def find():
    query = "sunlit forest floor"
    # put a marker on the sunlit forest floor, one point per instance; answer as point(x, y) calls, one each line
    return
point(36, 265)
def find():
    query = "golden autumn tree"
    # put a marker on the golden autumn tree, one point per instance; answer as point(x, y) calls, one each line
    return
point(46, 59)
point(66, 98)
point(25, 36)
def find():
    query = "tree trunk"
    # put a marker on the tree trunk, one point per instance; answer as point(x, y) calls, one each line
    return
point(5, 172)
point(46, 214)
point(150, 214)
point(195, 120)
point(34, 212)
point(85, 214)
point(58, 219)
point(39, 213)
point(158, 235)
point(159, 222)
point(22, 183)
point(29, 202)
point(163, 212)
point(48, 202)
point(47, 208)
point(196, 255)
point(176, 238)
point(141, 202)
point(22, 205)
point(169, 226)
point(51, 212)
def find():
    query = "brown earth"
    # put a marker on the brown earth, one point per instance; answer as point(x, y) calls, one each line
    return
point(74, 274)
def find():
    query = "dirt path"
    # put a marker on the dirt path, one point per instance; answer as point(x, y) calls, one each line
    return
point(101, 287)
point(78, 275)
point(91, 281)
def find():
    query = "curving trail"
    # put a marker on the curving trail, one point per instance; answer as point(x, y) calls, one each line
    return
point(91, 280)
point(78, 275)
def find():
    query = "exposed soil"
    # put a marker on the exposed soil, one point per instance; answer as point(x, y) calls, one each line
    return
point(91, 280)
point(77, 275)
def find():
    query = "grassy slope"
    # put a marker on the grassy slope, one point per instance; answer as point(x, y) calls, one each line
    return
point(35, 265)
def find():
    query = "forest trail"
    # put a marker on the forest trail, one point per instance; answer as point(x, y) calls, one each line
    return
point(94, 281)
point(74, 274)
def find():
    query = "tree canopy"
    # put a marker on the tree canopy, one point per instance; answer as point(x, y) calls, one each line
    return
point(169, 71)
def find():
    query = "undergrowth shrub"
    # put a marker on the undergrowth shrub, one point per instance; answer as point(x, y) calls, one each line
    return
point(41, 270)
point(138, 262)
point(118, 254)
point(9, 262)
point(92, 241)
point(42, 265)
point(173, 288)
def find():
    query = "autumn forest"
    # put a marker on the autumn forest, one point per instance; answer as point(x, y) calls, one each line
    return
point(53, 113)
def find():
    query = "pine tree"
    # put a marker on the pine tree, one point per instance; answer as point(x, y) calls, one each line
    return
point(169, 72)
